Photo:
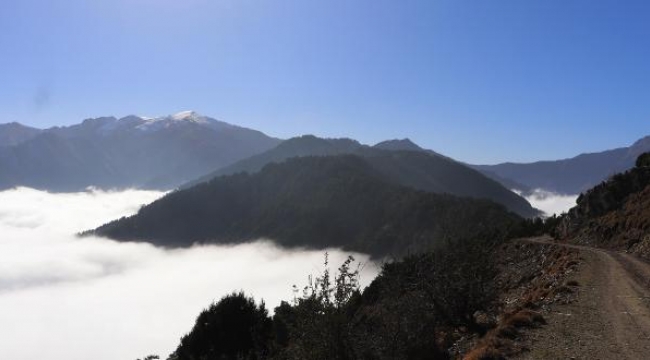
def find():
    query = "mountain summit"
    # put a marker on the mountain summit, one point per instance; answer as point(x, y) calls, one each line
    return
point(403, 144)
point(132, 151)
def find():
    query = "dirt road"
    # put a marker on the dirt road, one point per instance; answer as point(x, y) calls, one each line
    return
point(610, 320)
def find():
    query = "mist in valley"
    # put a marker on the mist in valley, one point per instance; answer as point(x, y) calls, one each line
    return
point(549, 202)
point(96, 298)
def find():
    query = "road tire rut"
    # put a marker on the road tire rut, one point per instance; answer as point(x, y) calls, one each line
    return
point(609, 320)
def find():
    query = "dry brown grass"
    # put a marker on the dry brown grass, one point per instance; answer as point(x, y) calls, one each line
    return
point(484, 353)
point(524, 318)
point(572, 263)
point(497, 343)
point(506, 332)
point(535, 295)
point(573, 283)
point(544, 282)
point(563, 289)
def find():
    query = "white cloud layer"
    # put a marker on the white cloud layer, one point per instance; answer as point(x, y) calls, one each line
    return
point(549, 202)
point(62, 297)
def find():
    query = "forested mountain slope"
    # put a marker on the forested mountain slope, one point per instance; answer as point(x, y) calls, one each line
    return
point(401, 161)
point(315, 202)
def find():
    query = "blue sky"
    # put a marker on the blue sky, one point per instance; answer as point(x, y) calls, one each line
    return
point(481, 81)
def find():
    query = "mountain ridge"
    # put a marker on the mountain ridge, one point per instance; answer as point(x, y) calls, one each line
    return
point(422, 169)
point(14, 133)
point(132, 151)
point(317, 202)
point(571, 175)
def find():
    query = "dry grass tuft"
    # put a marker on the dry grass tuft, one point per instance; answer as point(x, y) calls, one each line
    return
point(497, 343)
point(563, 290)
point(506, 332)
point(572, 283)
point(524, 318)
point(572, 263)
point(484, 353)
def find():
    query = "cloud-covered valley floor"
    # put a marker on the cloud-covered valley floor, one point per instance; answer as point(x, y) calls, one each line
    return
point(549, 202)
point(62, 297)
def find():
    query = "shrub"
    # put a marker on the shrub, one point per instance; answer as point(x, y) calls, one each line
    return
point(459, 280)
point(233, 328)
point(643, 160)
point(318, 324)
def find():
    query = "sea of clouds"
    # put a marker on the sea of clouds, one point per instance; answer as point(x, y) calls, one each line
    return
point(64, 297)
point(549, 202)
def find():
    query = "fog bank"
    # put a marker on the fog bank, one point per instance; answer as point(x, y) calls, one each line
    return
point(62, 297)
point(549, 202)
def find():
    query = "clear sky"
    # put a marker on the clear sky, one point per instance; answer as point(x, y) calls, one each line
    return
point(481, 81)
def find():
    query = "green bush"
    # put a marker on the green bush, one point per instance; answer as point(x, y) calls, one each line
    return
point(233, 328)
point(643, 160)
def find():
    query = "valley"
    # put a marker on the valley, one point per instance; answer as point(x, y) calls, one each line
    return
point(324, 180)
point(429, 229)
point(439, 242)
point(94, 293)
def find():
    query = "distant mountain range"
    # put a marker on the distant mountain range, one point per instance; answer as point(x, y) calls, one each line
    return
point(400, 161)
point(133, 151)
point(316, 202)
point(568, 176)
point(178, 150)
point(187, 148)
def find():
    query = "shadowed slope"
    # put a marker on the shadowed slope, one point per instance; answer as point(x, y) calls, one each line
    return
point(401, 161)
point(314, 202)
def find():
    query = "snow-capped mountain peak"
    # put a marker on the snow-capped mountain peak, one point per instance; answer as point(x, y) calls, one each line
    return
point(186, 115)
point(153, 124)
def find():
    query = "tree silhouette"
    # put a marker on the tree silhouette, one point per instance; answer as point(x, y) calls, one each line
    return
point(233, 328)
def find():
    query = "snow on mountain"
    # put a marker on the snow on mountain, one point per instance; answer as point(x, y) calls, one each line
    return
point(107, 126)
point(132, 151)
point(189, 115)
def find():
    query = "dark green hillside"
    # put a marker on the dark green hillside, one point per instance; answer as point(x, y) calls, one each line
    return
point(437, 174)
point(306, 145)
point(314, 202)
point(403, 163)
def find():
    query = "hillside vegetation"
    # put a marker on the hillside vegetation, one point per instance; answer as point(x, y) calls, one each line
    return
point(470, 298)
point(315, 202)
point(401, 161)
point(413, 310)
point(615, 214)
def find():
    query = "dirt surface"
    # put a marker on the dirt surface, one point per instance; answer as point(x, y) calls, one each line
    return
point(609, 320)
